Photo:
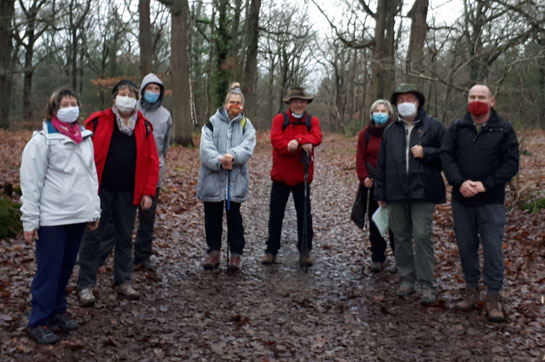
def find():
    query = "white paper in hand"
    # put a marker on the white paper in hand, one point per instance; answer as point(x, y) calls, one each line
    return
point(380, 218)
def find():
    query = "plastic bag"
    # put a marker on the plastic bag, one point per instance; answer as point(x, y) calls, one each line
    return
point(380, 218)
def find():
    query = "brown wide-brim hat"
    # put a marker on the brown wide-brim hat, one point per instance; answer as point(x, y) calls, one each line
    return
point(407, 88)
point(297, 93)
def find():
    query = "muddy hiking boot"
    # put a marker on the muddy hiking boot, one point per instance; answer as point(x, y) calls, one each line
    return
point(377, 267)
point(212, 261)
point(268, 259)
point(126, 290)
point(427, 295)
point(493, 308)
point(234, 263)
point(43, 334)
point(471, 299)
point(305, 259)
point(64, 321)
point(405, 290)
point(86, 297)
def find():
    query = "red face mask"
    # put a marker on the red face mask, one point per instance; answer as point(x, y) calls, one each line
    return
point(234, 109)
point(478, 108)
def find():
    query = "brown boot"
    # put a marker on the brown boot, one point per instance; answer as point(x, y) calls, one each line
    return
point(268, 259)
point(305, 259)
point(471, 299)
point(234, 263)
point(212, 261)
point(493, 308)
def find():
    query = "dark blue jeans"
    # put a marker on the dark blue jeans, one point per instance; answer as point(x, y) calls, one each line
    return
point(56, 252)
point(118, 211)
point(213, 218)
point(280, 193)
point(487, 223)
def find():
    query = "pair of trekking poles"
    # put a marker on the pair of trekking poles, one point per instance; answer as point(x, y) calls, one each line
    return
point(305, 159)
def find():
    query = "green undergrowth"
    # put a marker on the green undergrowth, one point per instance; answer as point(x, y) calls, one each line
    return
point(10, 223)
point(534, 206)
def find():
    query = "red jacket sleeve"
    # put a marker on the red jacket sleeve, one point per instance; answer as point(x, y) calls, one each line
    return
point(279, 138)
point(361, 167)
point(152, 176)
point(315, 136)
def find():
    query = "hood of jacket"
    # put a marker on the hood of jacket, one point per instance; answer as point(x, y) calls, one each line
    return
point(151, 78)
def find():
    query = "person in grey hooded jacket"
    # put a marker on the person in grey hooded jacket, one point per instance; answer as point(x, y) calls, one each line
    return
point(227, 143)
point(152, 92)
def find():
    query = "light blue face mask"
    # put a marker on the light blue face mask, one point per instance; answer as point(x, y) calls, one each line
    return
point(151, 97)
point(380, 118)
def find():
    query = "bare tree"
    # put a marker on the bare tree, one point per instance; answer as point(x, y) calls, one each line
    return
point(181, 95)
point(7, 9)
point(250, 65)
point(419, 29)
point(144, 37)
point(35, 22)
point(77, 15)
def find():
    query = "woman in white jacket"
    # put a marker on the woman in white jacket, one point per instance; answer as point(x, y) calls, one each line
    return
point(60, 196)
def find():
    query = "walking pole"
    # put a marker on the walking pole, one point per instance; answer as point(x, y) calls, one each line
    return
point(228, 208)
point(366, 218)
point(366, 222)
point(306, 193)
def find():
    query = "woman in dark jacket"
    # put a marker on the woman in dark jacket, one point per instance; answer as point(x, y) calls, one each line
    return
point(128, 170)
point(366, 163)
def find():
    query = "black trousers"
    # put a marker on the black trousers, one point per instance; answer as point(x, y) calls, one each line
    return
point(280, 193)
point(213, 219)
point(378, 243)
point(119, 212)
point(144, 235)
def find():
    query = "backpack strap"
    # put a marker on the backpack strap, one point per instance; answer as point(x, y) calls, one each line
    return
point(95, 124)
point(367, 135)
point(148, 128)
point(287, 121)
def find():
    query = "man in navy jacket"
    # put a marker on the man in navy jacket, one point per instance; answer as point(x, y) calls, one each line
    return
point(480, 155)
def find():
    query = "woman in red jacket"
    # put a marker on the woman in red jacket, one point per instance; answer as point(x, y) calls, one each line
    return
point(366, 163)
point(128, 170)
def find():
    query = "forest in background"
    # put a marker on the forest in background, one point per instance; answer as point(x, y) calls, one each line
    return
point(199, 47)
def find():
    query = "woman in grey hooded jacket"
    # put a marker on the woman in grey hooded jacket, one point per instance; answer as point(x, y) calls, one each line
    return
point(227, 143)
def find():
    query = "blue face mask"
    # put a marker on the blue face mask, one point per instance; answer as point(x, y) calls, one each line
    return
point(380, 118)
point(151, 97)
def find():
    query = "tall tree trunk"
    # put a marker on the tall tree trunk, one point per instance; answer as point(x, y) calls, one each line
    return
point(222, 73)
point(6, 60)
point(28, 71)
point(74, 59)
point(250, 67)
point(181, 96)
point(236, 43)
point(419, 30)
point(144, 38)
point(383, 51)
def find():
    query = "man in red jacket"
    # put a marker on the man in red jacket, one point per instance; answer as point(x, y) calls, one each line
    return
point(294, 134)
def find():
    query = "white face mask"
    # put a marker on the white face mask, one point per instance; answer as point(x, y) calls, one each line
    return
point(68, 114)
point(407, 109)
point(298, 116)
point(125, 103)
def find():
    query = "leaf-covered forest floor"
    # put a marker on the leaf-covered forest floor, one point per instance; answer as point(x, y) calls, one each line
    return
point(333, 312)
